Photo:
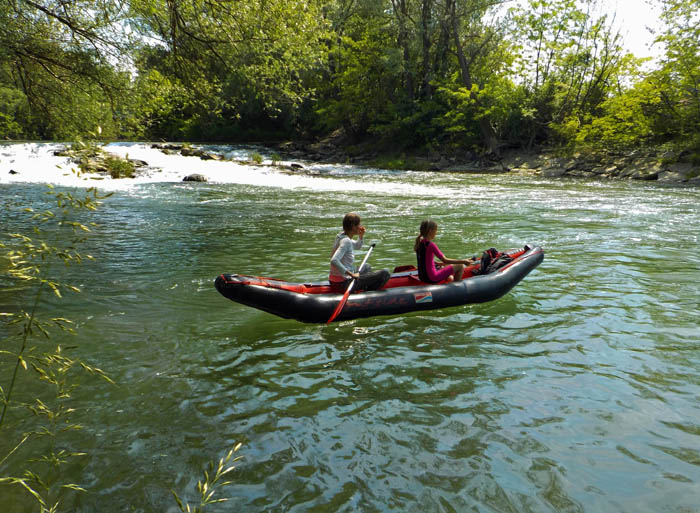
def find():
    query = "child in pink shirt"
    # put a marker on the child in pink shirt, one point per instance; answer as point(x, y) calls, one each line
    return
point(426, 251)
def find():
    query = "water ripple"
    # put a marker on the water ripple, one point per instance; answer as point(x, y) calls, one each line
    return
point(577, 391)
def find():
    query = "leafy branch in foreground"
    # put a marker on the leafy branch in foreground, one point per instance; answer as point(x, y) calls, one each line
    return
point(29, 263)
point(213, 480)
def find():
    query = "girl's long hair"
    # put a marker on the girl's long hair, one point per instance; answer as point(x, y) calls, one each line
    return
point(425, 228)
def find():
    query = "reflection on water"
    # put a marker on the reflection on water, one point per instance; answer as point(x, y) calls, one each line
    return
point(577, 391)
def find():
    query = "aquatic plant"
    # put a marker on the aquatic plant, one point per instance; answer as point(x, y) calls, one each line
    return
point(30, 263)
point(43, 374)
point(213, 480)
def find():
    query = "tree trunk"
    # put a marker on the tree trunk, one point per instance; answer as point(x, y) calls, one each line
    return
point(401, 12)
point(426, 71)
point(488, 134)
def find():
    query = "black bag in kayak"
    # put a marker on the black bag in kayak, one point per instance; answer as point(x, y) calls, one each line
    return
point(492, 260)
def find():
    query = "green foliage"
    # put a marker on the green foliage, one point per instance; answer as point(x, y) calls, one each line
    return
point(392, 69)
point(460, 119)
point(365, 80)
point(221, 65)
point(678, 77)
point(661, 108)
point(158, 107)
point(254, 156)
point(13, 106)
point(401, 162)
point(623, 124)
point(9, 128)
point(30, 262)
point(570, 64)
point(57, 62)
point(164, 107)
point(402, 74)
point(213, 480)
point(119, 168)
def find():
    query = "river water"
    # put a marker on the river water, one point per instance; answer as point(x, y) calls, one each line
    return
point(577, 391)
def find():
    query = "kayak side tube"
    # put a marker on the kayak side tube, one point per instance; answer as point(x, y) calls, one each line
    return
point(317, 308)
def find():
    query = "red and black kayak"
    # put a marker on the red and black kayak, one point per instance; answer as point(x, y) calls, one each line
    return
point(404, 292)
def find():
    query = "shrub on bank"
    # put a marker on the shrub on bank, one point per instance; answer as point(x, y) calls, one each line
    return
point(118, 167)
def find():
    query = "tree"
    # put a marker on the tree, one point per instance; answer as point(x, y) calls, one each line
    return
point(416, 54)
point(234, 61)
point(678, 77)
point(474, 41)
point(571, 62)
point(652, 108)
point(60, 56)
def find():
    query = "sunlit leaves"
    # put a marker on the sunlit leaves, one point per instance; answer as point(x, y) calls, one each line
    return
point(214, 62)
point(661, 106)
point(571, 64)
point(679, 74)
point(31, 261)
point(213, 480)
point(62, 62)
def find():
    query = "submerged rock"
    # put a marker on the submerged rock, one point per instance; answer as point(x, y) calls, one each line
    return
point(195, 177)
point(165, 147)
point(554, 172)
point(95, 159)
point(186, 151)
point(192, 152)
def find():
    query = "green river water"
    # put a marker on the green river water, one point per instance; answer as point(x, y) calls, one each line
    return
point(578, 391)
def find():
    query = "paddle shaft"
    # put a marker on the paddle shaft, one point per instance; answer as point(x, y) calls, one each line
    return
point(344, 300)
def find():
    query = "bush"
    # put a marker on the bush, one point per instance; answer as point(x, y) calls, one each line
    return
point(119, 168)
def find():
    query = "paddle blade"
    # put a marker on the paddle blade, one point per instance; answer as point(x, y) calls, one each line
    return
point(341, 304)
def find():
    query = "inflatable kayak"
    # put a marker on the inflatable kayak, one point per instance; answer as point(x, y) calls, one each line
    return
point(404, 292)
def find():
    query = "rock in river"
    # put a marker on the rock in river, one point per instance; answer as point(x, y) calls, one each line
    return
point(195, 178)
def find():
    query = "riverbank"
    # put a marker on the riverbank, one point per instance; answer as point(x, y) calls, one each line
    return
point(648, 165)
point(645, 165)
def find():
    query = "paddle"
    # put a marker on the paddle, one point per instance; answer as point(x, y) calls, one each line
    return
point(344, 300)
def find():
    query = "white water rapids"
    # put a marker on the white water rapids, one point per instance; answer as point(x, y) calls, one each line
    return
point(33, 162)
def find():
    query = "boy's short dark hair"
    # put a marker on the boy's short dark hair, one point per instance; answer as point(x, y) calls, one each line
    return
point(350, 221)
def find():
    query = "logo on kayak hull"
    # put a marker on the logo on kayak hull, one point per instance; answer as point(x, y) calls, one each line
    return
point(423, 297)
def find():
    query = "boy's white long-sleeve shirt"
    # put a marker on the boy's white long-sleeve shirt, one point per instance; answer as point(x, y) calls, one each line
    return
point(343, 256)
